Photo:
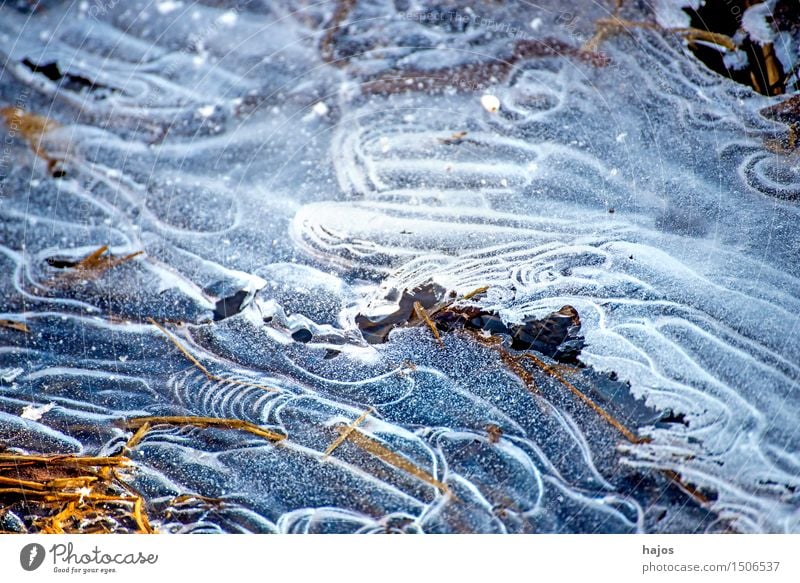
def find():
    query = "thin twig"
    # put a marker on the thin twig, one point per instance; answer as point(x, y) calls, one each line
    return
point(139, 422)
point(345, 434)
point(423, 315)
point(611, 420)
point(138, 436)
point(396, 460)
point(208, 374)
point(14, 325)
point(475, 292)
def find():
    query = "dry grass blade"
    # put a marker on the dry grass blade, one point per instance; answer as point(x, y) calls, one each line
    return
point(14, 325)
point(608, 26)
point(238, 424)
point(512, 363)
point(71, 483)
point(65, 494)
point(345, 434)
point(141, 518)
point(182, 498)
point(10, 460)
point(605, 415)
point(21, 483)
point(686, 488)
point(774, 74)
point(396, 460)
point(208, 374)
point(715, 38)
point(422, 314)
point(519, 370)
point(94, 265)
point(92, 260)
point(454, 139)
point(138, 436)
point(55, 524)
point(30, 126)
point(475, 292)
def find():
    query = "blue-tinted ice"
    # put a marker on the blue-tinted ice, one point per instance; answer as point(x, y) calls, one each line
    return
point(246, 150)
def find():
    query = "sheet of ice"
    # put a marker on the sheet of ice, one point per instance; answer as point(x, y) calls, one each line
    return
point(639, 190)
point(755, 21)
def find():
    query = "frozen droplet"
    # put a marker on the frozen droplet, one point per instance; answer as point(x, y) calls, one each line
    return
point(35, 413)
point(228, 18)
point(168, 6)
point(490, 103)
point(321, 109)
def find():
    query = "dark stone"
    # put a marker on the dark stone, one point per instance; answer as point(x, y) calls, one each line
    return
point(302, 335)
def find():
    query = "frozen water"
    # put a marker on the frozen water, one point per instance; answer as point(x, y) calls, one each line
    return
point(257, 148)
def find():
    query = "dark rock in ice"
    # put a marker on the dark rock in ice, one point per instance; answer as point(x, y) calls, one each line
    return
point(226, 307)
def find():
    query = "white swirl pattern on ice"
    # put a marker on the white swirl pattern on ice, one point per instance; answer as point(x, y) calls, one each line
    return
point(204, 149)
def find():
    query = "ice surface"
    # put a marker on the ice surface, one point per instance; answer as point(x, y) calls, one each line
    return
point(755, 22)
point(641, 189)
